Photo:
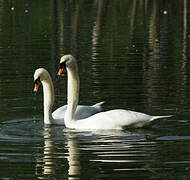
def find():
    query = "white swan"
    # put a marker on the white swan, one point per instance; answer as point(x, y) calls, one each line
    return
point(57, 117)
point(113, 119)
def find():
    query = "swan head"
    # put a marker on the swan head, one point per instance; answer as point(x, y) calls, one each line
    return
point(67, 61)
point(40, 75)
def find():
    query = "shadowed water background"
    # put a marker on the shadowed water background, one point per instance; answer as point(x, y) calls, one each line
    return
point(131, 54)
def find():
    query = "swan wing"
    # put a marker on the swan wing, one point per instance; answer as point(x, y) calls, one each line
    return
point(60, 112)
point(82, 111)
point(98, 106)
point(87, 111)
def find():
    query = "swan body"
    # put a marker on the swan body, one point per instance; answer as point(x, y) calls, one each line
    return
point(57, 117)
point(113, 119)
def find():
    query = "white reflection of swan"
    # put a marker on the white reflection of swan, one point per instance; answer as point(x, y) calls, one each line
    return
point(73, 157)
point(52, 163)
point(63, 160)
point(46, 164)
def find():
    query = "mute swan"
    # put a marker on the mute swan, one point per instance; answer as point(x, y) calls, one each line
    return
point(113, 119)
point(57, 117)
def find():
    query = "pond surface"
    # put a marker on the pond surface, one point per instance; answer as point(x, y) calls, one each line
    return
point(131, 54)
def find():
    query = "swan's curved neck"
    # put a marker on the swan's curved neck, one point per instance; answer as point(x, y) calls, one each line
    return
point(72, 94)
point(48, 92)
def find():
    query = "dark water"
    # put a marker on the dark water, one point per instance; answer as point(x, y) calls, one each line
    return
point(131, 54)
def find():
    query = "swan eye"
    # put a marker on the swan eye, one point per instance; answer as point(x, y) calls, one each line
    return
point(37, 81)
point(62, 68)
point(36, 84)
point(63, 65)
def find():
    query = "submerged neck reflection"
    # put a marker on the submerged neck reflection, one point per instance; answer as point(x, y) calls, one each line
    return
point(60, 158)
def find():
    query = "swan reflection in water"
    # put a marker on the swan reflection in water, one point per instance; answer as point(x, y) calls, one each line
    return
point(59, 158)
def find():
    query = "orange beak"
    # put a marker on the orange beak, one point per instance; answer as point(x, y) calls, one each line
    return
point(36, 86)
point(60, 71)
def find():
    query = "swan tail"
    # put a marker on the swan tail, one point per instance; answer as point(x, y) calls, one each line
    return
point(98, 105)
point(160, 117)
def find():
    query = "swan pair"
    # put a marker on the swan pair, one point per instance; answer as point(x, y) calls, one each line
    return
point(41, 75)
point(72, 114)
